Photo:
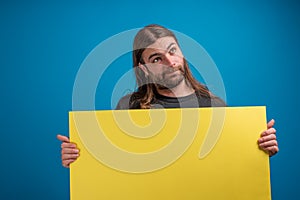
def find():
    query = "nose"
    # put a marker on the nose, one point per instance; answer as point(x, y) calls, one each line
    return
point(169, 60)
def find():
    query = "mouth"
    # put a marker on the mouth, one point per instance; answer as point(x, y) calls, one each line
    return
point(179, 68)
point(173, 72)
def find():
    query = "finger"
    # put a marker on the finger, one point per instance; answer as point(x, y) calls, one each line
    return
point(62, 138)
point(69, 151)
point(268, 144)
point(269, 131)
point(66, 163)
point(69, 156)
point(272, 150)
point(68, 145)
point(271, 123)
point(267, 138)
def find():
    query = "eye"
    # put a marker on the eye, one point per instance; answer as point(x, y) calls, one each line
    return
point(172, 50)
point(156, 60)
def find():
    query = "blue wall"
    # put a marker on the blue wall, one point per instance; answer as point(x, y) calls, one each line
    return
point(255, 44)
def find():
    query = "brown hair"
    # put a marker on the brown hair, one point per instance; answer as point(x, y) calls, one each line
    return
point(145, 93)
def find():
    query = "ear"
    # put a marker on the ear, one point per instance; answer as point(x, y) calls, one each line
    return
point(143, 67)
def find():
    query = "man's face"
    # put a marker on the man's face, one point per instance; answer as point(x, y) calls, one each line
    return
point(164, 63)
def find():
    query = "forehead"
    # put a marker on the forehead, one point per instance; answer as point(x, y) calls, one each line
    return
point(162, 43)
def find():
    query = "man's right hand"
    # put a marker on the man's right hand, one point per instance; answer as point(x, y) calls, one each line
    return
point(69, 151)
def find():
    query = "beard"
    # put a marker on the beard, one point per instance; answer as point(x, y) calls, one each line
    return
point(169, 78)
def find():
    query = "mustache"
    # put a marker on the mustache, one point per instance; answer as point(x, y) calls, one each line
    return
point(170, 70)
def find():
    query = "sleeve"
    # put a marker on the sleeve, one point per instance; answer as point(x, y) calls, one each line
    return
point(217, 102)
point(123, 103)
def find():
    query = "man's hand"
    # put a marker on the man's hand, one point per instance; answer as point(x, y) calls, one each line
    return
point(69, 151)
point(267, 140)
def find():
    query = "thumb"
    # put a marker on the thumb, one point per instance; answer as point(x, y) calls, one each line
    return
point(62, 138)
point(271, 123)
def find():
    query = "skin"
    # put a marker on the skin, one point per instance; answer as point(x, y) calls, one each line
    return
point(69, 151)
point(164, 64)
point(163, 61)
point(267, 140)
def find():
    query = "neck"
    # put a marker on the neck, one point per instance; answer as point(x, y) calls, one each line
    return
point(181, 90)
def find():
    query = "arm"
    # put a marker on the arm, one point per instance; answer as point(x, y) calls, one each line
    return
point(69, 151)
point(267, 140)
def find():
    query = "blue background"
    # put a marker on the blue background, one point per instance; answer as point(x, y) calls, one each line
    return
point(255, 45)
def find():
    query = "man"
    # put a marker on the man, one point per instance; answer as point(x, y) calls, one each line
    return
point(165, 81)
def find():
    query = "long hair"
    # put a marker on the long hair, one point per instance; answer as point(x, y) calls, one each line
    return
point(146, 90)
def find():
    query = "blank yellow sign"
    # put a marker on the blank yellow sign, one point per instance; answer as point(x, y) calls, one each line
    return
point(201, 153)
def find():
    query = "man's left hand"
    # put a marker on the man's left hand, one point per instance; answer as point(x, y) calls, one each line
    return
point(267, 140)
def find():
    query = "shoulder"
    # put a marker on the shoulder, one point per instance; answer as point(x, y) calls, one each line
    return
point(210, 100)
point(217, 102)
point(124, 102)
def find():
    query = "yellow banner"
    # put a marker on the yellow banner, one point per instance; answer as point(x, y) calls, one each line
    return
point(201, 153)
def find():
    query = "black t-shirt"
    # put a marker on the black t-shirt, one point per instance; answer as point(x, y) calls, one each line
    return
point(190, 101)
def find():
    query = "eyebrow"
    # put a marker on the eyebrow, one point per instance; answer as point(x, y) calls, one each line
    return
point(156, 54)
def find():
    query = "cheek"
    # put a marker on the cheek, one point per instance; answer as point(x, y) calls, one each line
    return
point(177, 59)
point(156, 70)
